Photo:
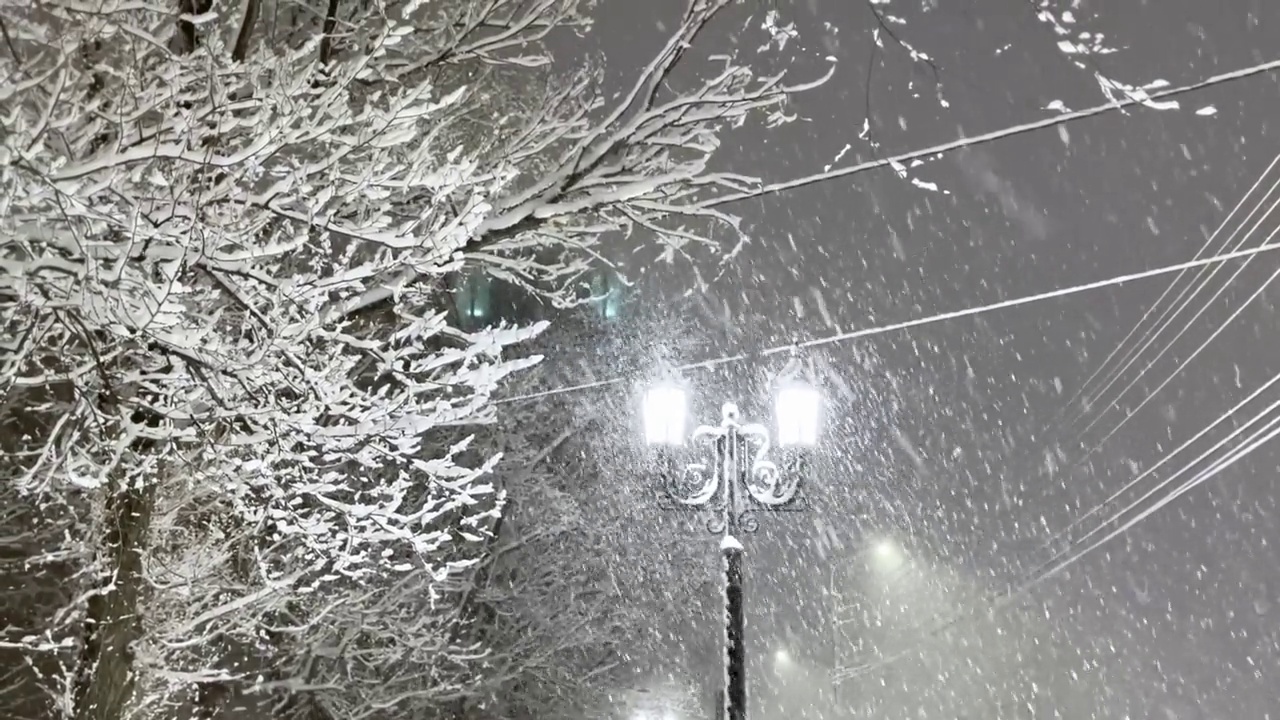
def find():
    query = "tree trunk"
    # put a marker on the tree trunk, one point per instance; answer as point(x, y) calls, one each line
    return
point(105, 679)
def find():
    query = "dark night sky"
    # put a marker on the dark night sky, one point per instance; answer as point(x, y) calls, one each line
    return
point(1177, 619)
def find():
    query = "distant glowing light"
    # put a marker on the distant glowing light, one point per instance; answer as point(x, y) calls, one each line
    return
point(888, 555)
point(782, 658)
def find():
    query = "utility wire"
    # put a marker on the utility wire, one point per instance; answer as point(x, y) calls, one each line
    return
point(907, 324)
point(1209, 274)
point(1088, 388)
point(932, 151)
point(1078, 547)
point(1064, 118)
point(1187, 361)
point(1169, 480)
point(849, 673)
point(1106, 374)
point(1057, 537)
point(1065, 558)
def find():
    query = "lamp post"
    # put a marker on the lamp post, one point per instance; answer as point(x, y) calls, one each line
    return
point(737, 480)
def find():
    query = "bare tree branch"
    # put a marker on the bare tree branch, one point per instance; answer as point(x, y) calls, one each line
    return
point(245, 35)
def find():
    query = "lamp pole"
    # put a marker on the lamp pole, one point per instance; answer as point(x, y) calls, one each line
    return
point(730, 448)
point(740, 480)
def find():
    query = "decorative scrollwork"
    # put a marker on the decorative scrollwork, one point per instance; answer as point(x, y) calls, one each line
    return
point(716, 524)
point(744, 522)
point(692, 486)
point(707, 434)
point(766, 484)
point(699, 486)
point(696, 483)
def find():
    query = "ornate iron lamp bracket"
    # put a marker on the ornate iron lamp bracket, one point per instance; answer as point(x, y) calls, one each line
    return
point(761, 485)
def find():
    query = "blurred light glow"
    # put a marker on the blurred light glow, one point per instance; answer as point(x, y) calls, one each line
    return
point(782, 658)
point(796, 409)
point(888, 555)
point(665, 410)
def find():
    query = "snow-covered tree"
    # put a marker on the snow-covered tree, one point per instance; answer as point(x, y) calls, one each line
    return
point(234, 402)
point(583, 560)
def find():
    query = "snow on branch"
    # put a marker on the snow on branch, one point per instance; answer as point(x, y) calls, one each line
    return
point(173, 221)
point(227, 354)
point(584, 167)
point(1082, 47)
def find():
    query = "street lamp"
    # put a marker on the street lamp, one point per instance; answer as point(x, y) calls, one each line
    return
point(797, 407)
point(736, 481)
point(664, 410)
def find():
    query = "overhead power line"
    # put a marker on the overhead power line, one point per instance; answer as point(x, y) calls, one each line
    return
point(1123, 520)
point(917, 322)
point(984, 138)
point(935, 150)
point(1089, 394)
point(1201, 281)
point(1185, 361)
point(1126, 352)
